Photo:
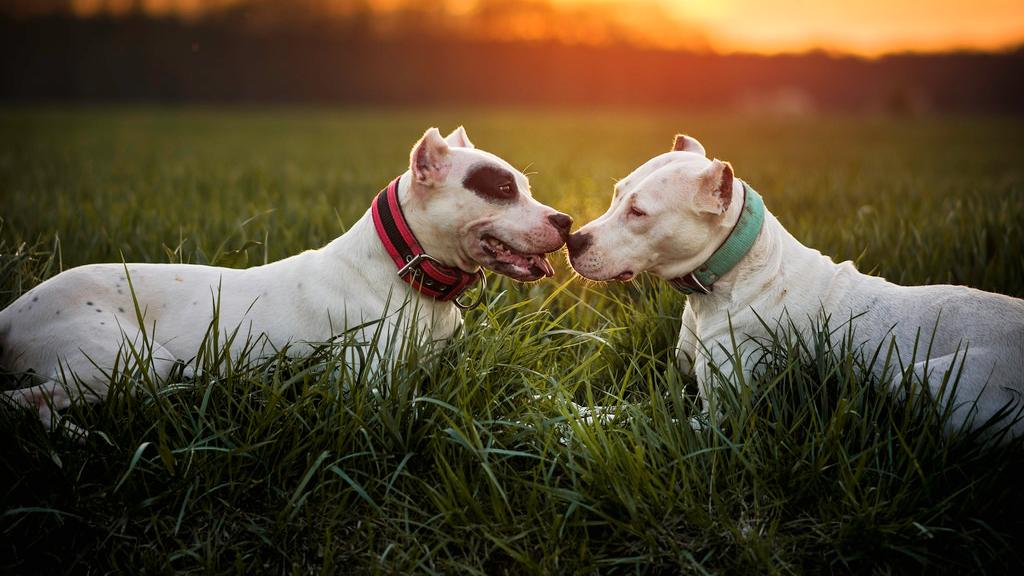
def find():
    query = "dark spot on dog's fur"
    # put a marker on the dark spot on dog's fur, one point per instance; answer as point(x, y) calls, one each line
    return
point(194, 302)
point(88, 303)
point(57, 313)
point(491, 183)
point(35, 298)
point(119, 291)
point(121, 310)
point(103, 323)
point(578, 243)
point(98, 310)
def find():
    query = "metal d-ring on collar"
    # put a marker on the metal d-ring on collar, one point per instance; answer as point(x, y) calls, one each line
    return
point(480, 296)
point(413, 267)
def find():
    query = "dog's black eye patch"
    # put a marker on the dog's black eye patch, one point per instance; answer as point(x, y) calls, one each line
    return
point(492, 183)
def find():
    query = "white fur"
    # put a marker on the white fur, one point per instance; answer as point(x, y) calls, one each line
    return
point(782, 280)
point(77, 322)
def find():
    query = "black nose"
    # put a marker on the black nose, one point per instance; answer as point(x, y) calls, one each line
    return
point(578, 243)
point(561, 222)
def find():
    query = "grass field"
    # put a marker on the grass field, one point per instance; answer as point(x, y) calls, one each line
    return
point(472, 461)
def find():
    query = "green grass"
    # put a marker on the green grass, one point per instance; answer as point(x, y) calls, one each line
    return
point(471, 461)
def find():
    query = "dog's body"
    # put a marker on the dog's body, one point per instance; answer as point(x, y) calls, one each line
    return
point(467, 208)
point(675, 211)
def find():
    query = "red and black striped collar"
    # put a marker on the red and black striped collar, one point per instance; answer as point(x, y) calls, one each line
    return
point(423, 272)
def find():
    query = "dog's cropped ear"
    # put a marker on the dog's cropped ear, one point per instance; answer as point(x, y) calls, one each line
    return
point(459, 139)
point(429, 162)
point(714, 188)
point(684, 143)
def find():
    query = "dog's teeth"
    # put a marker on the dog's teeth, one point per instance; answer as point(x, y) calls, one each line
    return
point(535, 265)
point(546, 266)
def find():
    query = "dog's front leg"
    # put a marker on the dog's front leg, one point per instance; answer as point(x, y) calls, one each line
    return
point(686, 349)
point(705, 395)
point(713, 367)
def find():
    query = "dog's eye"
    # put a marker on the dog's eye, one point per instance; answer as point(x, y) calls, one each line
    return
point(634, 211)
point(491, 183)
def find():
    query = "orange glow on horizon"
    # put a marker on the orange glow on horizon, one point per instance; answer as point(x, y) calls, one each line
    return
point(865, 27)
point(868, 27)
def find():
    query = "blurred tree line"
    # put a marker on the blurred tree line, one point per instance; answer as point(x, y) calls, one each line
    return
point(500, 52)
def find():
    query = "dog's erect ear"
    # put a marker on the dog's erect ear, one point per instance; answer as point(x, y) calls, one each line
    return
point(714, 188)
point(459, 139)
point(429, 162)
point(684, 143)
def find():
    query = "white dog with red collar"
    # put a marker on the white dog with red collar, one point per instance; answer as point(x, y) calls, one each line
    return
point(686, 219)
point(455, 210)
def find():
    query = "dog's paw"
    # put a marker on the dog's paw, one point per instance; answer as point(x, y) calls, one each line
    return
point(699, 423)
point(597, 414)
point(72, 431)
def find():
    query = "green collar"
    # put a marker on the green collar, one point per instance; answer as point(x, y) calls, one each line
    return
point(732, 250)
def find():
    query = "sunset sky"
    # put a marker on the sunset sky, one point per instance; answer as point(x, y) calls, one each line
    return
point(861, 26)
point(867, 27)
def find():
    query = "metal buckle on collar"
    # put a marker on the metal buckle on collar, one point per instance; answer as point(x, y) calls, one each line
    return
point(413, 267)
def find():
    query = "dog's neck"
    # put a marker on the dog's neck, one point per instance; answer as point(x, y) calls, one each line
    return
point(776, 264)
point(733, 237)
point(361, 247)
point(414, 263)
point(357, 260)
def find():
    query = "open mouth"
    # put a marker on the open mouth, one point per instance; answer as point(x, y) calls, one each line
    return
point(625, 276)
point(514, 264)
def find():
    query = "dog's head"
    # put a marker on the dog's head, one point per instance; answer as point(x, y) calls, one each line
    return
point(667, 217)
point(470, 208)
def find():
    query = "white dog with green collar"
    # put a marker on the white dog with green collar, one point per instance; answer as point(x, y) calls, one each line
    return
point(688, 220)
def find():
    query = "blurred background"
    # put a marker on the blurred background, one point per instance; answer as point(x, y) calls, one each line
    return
point(786, 57)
